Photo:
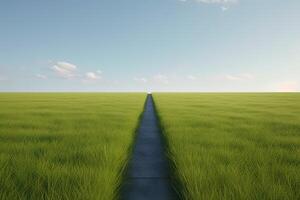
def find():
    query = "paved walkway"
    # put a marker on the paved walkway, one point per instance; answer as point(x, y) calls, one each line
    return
point(148, 175)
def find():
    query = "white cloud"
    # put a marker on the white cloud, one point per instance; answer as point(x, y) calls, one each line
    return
point(68, 71)
point(224, 2)
point(41, 76)
point(160, 78)
point(239, 77)
point(67, 66)
point(289, 86)
point(140, 80)
point(64, 69)
point(191, 77)
point(224, 8)
point(232, 77)
point(217, 1)
point(92, 76)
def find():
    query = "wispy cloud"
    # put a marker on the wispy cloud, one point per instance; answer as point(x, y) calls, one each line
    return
point(191, 77)
point(92, 76)
point(238, 77)
point(160, 78)
point(218, 1)
point(41, 76)
point(224, 2)
point(64, 69)
point(224, 8)
point(140, 79)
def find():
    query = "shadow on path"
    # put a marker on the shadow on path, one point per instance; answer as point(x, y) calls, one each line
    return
point(148, 175)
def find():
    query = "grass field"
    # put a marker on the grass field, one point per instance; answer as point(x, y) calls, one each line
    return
point(234, 146)
point(65, 146)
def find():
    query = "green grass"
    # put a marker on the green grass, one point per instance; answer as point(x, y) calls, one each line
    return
point(65, 146)
point(234, 146)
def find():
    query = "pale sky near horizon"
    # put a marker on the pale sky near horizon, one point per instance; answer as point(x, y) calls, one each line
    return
point(150, 45)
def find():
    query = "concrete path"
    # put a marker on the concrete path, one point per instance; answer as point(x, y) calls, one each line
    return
point(148, 175)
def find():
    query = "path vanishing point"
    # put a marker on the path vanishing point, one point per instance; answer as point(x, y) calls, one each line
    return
point(148, 175)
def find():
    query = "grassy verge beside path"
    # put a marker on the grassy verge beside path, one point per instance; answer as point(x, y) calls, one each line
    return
point(234, 146)
point(65, 146)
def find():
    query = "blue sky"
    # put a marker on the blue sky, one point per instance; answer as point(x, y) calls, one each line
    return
point(150, 45)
